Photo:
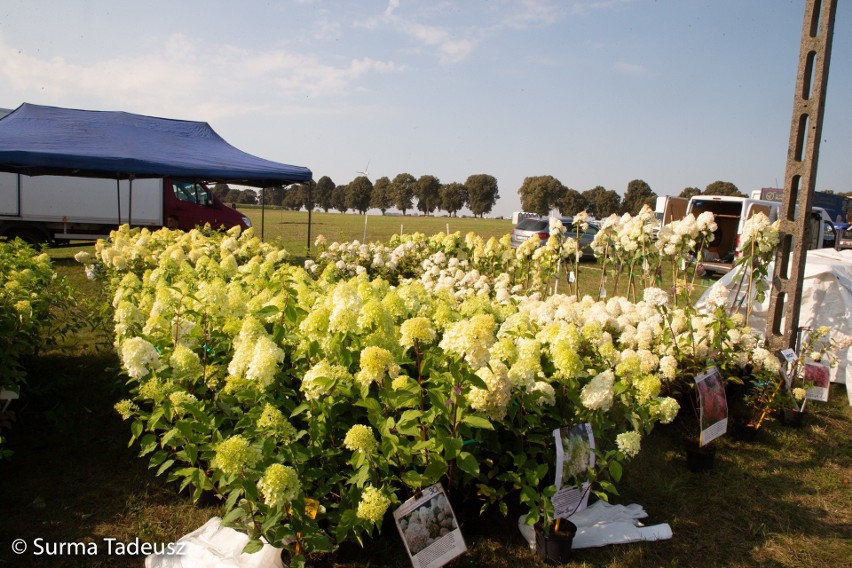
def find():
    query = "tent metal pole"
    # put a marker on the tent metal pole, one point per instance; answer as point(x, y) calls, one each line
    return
point(118, 195)
point(310, 205)
point(262, 212)
point(130, 201)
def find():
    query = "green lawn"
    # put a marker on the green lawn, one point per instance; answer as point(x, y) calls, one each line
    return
point(781, 500)
point(290, 228)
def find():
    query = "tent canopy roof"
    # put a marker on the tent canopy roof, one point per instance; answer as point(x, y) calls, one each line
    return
point(43, 140)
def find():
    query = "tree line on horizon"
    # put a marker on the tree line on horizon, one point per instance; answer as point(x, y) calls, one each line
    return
point(479, 193)
point(426, 194)
point(543, 194)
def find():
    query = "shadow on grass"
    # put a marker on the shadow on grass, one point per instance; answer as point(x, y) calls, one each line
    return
point(72, 477)
point(761, 498)
point(780, 500)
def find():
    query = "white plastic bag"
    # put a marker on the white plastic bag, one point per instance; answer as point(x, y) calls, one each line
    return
point(601, 524)
point(215, 546)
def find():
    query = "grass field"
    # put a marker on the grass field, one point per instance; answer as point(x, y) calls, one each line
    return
point(782, 500)
point(290, 228)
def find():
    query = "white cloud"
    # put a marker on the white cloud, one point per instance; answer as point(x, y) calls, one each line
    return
point(633, 69)
point(533, 13)
point(392, 5)
point(453, 43)
point(586, 6)
point(324, 29)
point(183, 73)
point(452, 48)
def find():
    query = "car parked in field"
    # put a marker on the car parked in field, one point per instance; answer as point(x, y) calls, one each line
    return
point(539, 227)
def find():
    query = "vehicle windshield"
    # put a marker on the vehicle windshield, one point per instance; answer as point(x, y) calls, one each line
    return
point(718, 208)
point(191, 192)
point(533, 225)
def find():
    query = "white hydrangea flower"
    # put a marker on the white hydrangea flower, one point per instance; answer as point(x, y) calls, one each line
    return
point(629, 443)
point(655, 297)
point(139, 357)
point(717, 297)
point(471, 339)
point(598, 394)
point(493, 400)
point(667, 409)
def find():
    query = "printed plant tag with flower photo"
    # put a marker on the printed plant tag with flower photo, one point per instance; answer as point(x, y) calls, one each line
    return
point(428, 528)
point(575, 453)
point(713, 405)
point(818, 378)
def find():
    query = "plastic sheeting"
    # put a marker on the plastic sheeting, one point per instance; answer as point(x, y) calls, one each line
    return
point(215, 546)
point(826, 300)
point(602, 524)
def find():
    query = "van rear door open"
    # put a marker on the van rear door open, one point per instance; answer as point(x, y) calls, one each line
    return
point(730, 214)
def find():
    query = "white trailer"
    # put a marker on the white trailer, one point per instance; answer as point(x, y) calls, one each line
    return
point(75, 207)
point(63, 208)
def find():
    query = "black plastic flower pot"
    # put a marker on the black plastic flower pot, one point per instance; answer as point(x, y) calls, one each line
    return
point(792, 418)
point(743, 431)
point(700, 459)
point(555, 547)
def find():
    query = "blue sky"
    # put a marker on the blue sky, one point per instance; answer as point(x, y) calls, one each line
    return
point(594, 92)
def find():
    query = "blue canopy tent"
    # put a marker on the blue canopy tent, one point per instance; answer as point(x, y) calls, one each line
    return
point(43, 140)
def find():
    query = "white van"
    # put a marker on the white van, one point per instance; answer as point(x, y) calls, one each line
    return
point(731, 213)
point(669, 209)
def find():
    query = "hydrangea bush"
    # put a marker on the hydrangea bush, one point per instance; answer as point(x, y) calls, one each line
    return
point(626, 245)
point(311, 400)
point(32, 297)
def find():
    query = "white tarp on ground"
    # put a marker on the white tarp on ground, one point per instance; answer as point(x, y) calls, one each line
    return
point(214, 546)
point(826, 300)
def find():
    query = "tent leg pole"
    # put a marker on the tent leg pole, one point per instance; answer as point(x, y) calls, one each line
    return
point(130, 201)
point(310, 205)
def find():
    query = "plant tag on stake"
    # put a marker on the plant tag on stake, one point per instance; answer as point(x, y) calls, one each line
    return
point(571, 276)
point(789, 355)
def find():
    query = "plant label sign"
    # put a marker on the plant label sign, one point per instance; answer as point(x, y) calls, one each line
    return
point(575, 452)
point(428, 528)
point(713, 405)
point(818, 380)
point(789, 355)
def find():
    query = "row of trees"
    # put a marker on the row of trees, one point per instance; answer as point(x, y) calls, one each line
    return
point(539, 194)
point(405, 192)
point(542, 194)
